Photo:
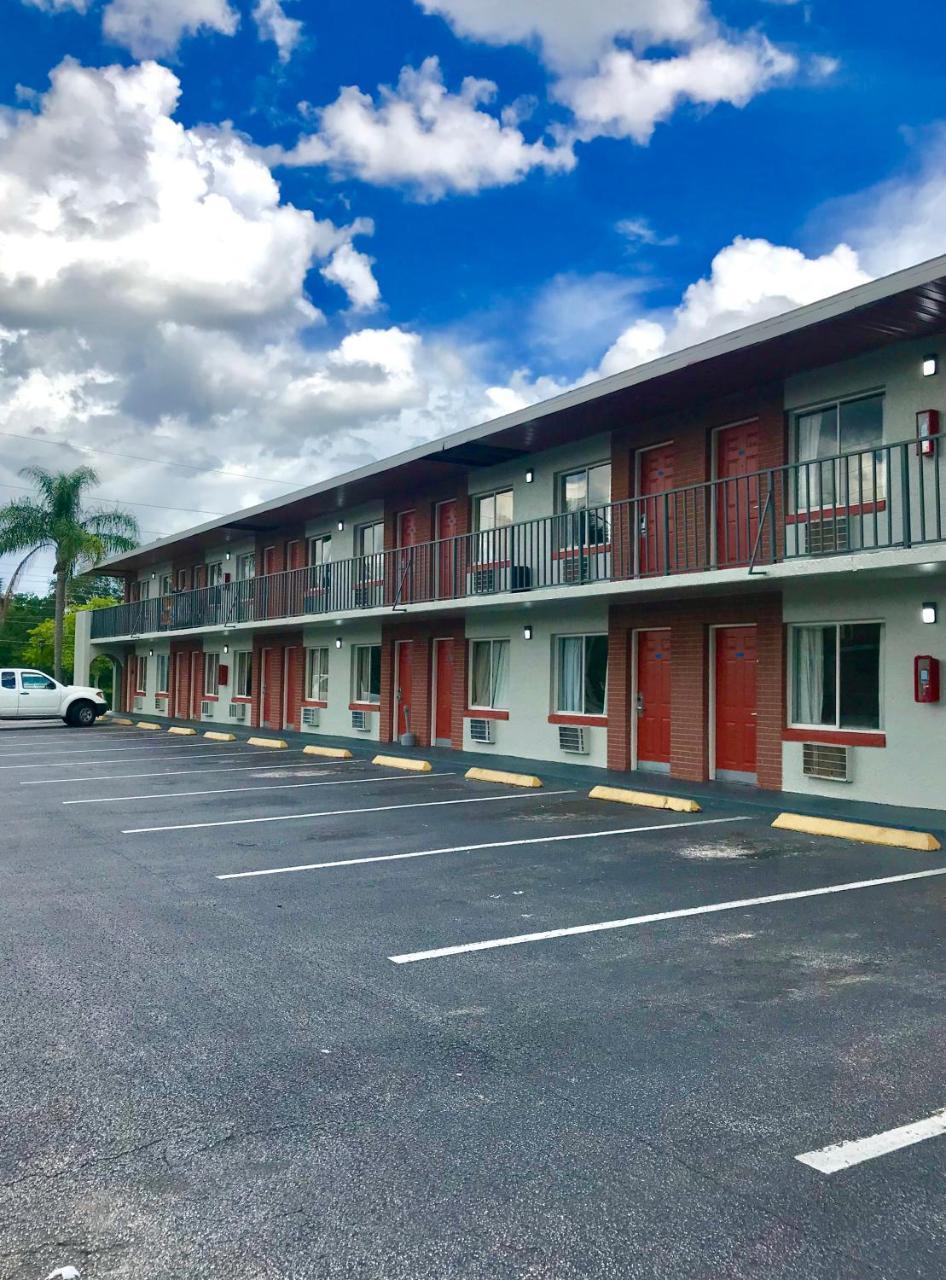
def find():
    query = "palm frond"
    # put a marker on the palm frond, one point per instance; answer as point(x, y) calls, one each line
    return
point(15, 576)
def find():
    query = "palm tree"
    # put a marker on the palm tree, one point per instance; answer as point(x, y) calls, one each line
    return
point(56, 519)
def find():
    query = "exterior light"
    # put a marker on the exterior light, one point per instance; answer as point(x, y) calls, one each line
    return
point(227, 556)
point(928, 611)
point(338, 642)
point(341, 525)
point(530, 476)
point(150, 653)
point(154, 575)
point(527, 632)
point(930, 366)
point(226, 648)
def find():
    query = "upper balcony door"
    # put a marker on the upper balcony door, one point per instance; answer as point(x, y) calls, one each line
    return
point(406, 534)
point(655, 513)
point(737, 494)
point(447, 578)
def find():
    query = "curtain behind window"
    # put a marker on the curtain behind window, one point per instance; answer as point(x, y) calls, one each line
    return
point(570, 674)
point(500, 673)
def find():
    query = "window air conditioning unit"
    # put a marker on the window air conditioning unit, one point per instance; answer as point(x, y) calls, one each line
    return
point(827, 535)
point(206, 711)
point(830, 763)
point(139, 704)
point(571, 569)
point(483, 582)
point(238, 711)
point(310, 717)
point(360, 721)
point(487, 580)
point(483, 731)
point(573, 739)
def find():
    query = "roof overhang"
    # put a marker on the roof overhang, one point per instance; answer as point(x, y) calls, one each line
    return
point(909, 304)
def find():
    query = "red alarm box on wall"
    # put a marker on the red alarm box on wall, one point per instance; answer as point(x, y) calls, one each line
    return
point(223, 674)
point(927, 429)
point(925, 678)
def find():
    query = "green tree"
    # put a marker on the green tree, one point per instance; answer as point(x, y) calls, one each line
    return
point(25, 612)
point(56, 520)
point(40, 648)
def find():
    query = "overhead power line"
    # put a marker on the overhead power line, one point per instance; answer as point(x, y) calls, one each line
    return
point(137, 457)
point(127, 502)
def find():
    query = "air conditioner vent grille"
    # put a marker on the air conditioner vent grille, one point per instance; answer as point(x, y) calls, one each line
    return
point(573, 739)
point(832, 533)
point(310, 717)
point(206, 710)
point(482, 731)
point(360, 721)
point(825, 761)
point(238, 711)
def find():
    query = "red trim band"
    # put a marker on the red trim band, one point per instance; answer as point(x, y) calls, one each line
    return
point(572, 553)
point(836, 737)
point(484, 713)
point(308, 702)
point(562, 717)
point(818, 514)
point(364, 706)
point(239, 697)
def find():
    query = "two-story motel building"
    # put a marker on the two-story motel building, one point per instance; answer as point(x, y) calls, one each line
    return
point(720, 565)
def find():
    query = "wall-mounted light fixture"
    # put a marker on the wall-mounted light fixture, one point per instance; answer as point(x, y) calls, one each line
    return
point(227, 556)
point(154, 575)
point(930, 366)
point(150, 653)
point(338, 642)
point(928, 611)
point(341, 525)
point(530, 476)
point(527, 632)
point(226, 648)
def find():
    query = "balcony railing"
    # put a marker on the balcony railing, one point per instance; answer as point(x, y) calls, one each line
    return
point(870, 500)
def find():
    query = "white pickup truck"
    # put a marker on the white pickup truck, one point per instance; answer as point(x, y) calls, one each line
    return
point(31, 695)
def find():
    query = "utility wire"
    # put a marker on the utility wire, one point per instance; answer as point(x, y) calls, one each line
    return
point(137, 457)
point(128, 502)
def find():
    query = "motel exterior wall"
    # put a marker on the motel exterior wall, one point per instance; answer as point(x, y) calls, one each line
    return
point(905, 769)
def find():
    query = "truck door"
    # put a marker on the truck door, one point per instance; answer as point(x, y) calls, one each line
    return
point(8, 694)
point(39, 695)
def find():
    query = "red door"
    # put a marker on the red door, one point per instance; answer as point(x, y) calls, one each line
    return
point(737, 494)
point(447, 577)
point(443, 678)
point(272, 688)
point(407, 570)
point(197, 683)
point(653, 699)
point(404, 711)
point(655, 513)
point(736, 703)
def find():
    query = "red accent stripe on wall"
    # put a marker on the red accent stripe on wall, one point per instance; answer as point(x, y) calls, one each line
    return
point(836, 737)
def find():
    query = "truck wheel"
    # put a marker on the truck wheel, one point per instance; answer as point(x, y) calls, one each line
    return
point(80, 715)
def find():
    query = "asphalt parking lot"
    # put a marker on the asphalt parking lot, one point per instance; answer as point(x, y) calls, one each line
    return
point(270, 1016)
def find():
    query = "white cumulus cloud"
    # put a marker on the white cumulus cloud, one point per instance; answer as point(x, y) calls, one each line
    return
point(154, 28)
point(420, 135)
point(273, 23)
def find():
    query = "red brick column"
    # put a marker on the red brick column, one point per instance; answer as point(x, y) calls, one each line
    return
point(619, 691)
point(386, 710)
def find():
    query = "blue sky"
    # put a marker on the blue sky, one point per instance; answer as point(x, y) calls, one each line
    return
point(223, 241)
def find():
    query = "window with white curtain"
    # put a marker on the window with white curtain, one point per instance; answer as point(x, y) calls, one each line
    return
point(162, 673)
point(316, 683)
point(141, 674)
point(844, 427)
point(836, 675)
point(366, 673)
point(489, 674)
point(243, 681)
point(211, 674)
point(582, 674)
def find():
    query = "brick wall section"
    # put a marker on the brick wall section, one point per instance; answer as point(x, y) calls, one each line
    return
point(689, 622)
point(423, 584)
point(280, 642)
point(422, 634)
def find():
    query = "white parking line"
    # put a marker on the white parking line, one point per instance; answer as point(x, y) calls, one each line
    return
point(280, 786)
point(194, 755)
point(469, 848)
point(843, 1155)
point(439, 953)
point(179, 744)
point(174, 773)
point(333, 813)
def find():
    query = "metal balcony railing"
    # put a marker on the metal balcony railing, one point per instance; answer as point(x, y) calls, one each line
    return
point(869, 500)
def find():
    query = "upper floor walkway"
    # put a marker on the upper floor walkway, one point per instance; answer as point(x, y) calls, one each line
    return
point(864, 501)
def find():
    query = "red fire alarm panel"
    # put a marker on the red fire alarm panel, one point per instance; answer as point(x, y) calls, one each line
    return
point(925, 678)
point(927, 429)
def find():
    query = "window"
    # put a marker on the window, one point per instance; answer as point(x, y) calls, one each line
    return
point(367, 673)
point(582, 673)
point(316, 679)
point(161, 673)
point(320, 549)
point(215, 574)
point(246, 567)
point(370, 539)
point(33, 680)
point(243, 681)
point(836, 675)
point(847, 426)
point(182, 579)
point(8, 680)
point(141, 674)
point(582, 498)
point(167, 584)
point(211, 675)
point(493, 510)
point(489, 673)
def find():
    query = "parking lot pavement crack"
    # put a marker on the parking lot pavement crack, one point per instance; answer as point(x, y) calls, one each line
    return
point(92, 1162)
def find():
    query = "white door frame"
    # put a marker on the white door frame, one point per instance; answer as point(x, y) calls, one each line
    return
point(264, 654)
point(711, 688)
point(398, 645)
point(635, 677)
